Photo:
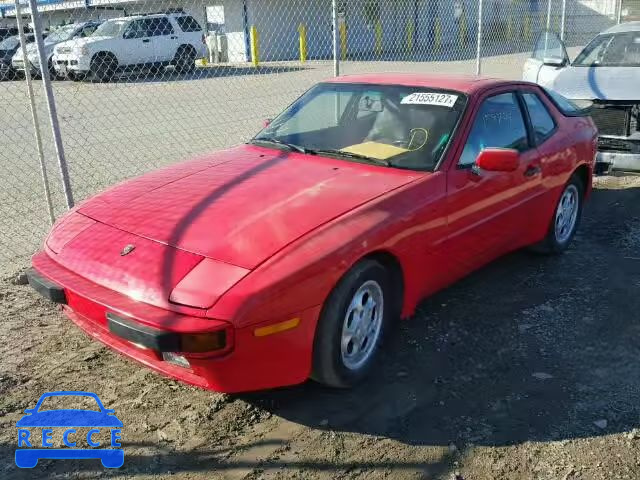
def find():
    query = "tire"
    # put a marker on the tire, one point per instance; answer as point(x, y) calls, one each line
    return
point(342, 358)
point(103, 67)
point(185, 59)
point(53, 75)
point(564, 221)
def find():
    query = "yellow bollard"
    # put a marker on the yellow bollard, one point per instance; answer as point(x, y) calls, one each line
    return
point(254, 45)
point(510, 22)
point(527, 28)
point(410, 36)
point(463, 30)
point(343, 41)
point(379, 38)
point(303, 43)
point(438, 36)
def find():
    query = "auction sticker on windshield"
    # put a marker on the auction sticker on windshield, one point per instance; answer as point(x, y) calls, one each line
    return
point(423, 98)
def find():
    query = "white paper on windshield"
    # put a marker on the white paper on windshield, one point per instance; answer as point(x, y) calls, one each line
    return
point(424, 98)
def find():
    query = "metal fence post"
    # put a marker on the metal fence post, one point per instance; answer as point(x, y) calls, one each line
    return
point(51, 104)
point(549, 2)
point(564, 20)
point(619, 12)
point(34, 114)
point(336, 61)
point(479, 40)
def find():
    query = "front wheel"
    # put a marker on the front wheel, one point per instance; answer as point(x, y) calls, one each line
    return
point(103, 67)
point(185, 59)
point(566, 218)
point(352, 326)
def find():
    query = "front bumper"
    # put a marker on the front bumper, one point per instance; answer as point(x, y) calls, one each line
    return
point(250, 363)
point(70, 63)
point(619, 152)
point(21, 66)
point(621, 161)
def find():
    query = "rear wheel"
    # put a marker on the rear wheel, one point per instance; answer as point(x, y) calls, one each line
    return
point(352, 326)
point(185, 59)
point(566, 218)
point(103, 67)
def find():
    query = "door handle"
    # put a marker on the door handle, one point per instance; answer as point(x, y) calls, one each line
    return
point(146, 40)
point(532, 170)
point(174, 37)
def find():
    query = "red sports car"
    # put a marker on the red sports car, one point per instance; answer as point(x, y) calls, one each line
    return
point(291, 256)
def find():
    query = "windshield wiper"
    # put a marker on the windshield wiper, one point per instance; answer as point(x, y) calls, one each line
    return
point(354, 156)
point(290, 146)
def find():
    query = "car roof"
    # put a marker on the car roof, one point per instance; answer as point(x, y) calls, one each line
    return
point(624, 27)
point(462, 83)
point(150, 15)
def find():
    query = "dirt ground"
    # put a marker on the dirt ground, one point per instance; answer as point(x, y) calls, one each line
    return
point(528, 369)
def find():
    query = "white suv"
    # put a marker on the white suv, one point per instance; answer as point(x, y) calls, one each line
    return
point(123, 44)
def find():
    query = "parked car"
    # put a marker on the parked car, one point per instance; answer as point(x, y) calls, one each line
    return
point(292, 256)
point(62, 34)
point(12, 31)
point(151, 41)
point(8, 47)
point(604, 76)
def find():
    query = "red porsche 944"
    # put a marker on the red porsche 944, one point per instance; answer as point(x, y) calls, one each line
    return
point(290, 257)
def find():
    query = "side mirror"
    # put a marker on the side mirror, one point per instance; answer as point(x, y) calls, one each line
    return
point(266, 122)
point(498, 160)
point(129, 34)
point(554, 62)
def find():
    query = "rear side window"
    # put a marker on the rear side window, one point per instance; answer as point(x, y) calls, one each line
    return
point(498, 124)
point(188, 23)
point(566, 106)
point(541, 120)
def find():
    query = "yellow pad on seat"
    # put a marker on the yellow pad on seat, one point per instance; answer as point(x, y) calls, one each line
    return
point(381, 151)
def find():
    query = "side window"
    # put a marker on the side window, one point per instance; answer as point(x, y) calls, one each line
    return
point(498, 124)
point(160, 26)
point(188, 23)
point(137, 29)
point(86, 31)
point(541, 120)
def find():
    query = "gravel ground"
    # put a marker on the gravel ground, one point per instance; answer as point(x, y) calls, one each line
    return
point(527, 369)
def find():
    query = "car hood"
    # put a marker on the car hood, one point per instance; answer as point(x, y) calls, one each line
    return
point(243, 205)
point(79, 42)
point(69, 418)
point(598, 83)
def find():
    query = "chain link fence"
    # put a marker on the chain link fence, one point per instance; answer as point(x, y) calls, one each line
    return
point(140, 84)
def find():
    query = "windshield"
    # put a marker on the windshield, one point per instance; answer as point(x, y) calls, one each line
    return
point(111, 28)
point(405, 127)
point(611, 50)
point(9, 43)
point(62, 34)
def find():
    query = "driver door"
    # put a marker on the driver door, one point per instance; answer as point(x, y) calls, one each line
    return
point(483, 208)
point(137, 46)
point(549, 56)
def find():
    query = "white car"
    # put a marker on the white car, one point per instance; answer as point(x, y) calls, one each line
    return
point(123, 44)
point(62, 34)
point(605, 77)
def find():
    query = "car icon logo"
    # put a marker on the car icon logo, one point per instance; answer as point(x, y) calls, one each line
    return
point(127, 250)
point(104, 431)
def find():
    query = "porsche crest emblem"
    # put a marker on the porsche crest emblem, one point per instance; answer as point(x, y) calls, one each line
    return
point(127, 250)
